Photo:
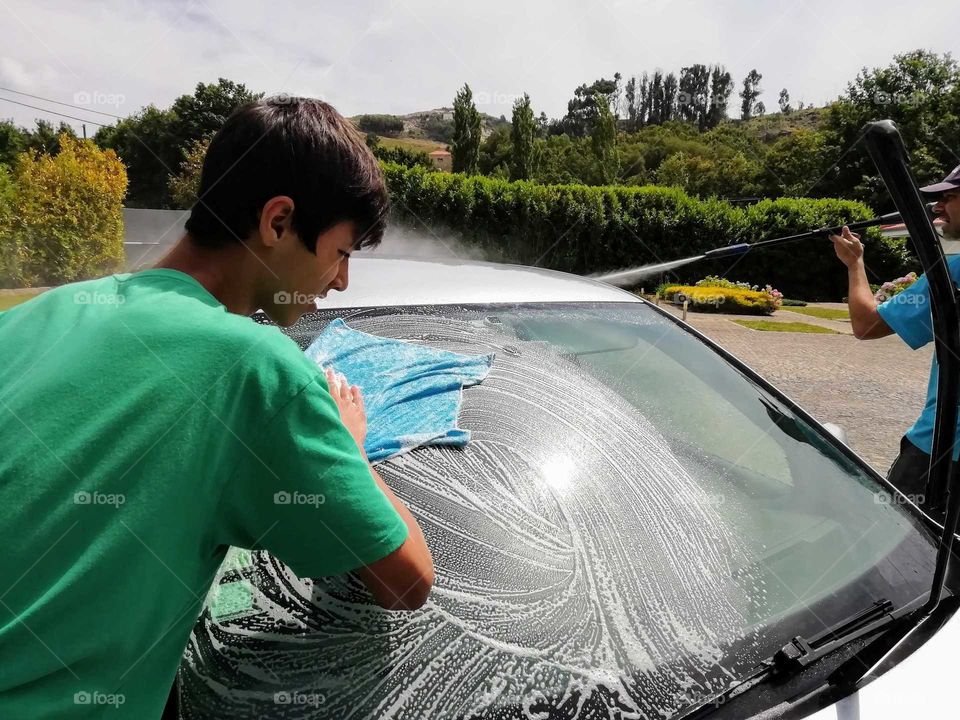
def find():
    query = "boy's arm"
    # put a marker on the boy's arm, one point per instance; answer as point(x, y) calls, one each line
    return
point(402, 580)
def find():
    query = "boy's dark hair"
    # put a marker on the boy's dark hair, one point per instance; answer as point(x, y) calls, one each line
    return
point(298, 147)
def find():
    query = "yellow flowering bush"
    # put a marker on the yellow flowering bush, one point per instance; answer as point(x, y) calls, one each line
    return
point(6, 219)
point(721, 299)
point(67, 214)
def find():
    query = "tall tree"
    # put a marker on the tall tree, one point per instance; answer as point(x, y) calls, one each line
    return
point(13, 141)
point(45, 139)
point(656, 98)
point(643, 109)
point(152, 142)
point(784, 102)
point(749, 94)
point(694, 99)
point(603, 142)
point(630, 97)
point(146, 143)
point(465, 146)
point(522, 134)
point(920, 91)
point(721, 87)
point(201, 114)
point(614, 98)
point(581, 109)
point(669, 107)
point(685, 107)
point(543, 125)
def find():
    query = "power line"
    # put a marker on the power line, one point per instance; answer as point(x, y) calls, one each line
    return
point(57, 102)
point(53, 112)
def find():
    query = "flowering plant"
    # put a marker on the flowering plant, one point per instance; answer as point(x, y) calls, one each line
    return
point(776, 297)
point(895, 287)
point(717, 281)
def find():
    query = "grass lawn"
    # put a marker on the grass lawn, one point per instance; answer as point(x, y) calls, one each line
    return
point(774, 326)
point(820, 312)
point(9, 300)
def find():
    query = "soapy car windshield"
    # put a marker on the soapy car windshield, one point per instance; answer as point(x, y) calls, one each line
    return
point(634, 525)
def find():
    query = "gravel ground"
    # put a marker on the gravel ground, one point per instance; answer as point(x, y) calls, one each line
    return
point(874, 389)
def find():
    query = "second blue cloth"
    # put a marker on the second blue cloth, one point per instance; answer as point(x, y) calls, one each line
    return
point(411, 392)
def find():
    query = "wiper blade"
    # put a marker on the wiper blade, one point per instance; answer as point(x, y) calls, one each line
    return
point(800, 652)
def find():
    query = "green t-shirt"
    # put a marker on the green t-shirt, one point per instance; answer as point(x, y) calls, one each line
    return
point(143, 430)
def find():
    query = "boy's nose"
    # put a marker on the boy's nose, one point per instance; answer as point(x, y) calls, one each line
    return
point(342, 279)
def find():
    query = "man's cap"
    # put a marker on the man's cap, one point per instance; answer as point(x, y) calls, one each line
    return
point(950, 182)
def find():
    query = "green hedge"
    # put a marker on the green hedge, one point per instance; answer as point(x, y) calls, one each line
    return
point(585, 229)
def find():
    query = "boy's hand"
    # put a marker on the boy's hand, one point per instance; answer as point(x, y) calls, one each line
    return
point(848, 247)
point(349, 402)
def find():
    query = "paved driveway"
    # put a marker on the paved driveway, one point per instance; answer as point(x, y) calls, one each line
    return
point(873, 388)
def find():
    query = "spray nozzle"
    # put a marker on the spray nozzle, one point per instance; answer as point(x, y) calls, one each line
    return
point(729, 250)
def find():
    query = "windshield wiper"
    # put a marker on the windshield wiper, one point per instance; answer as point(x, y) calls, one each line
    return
point(801, 652)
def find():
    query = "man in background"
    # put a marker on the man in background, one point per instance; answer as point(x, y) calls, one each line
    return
point(908, 315)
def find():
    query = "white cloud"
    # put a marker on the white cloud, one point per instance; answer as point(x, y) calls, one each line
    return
point(405, 55)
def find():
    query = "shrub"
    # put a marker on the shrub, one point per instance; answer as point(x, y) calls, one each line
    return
point(402, 156)
point(67, 222)
point(721, 299)
point(380, 124)
point(586, 229)
point(809, 269)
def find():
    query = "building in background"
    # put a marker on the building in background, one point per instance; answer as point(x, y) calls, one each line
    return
point(442, 160)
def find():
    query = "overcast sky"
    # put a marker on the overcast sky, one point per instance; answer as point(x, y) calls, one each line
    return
point(400, 56)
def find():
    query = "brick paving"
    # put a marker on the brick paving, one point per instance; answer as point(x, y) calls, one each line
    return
point(874, 389)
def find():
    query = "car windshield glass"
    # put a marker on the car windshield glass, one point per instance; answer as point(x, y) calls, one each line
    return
point(634, 524)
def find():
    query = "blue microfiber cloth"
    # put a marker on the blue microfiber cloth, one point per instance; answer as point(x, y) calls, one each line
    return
point(411, 392)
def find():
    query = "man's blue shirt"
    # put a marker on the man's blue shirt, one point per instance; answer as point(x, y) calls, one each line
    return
point(908, 315)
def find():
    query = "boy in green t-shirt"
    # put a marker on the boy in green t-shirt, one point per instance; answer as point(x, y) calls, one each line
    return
point(147, 424)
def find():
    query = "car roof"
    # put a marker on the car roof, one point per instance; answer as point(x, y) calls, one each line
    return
point(382, 280)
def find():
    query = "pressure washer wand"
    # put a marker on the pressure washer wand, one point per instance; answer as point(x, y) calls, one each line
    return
point(740, 248)
point(628, 278)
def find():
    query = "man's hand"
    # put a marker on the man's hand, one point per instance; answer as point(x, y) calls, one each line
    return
point(848, 247)
point(349, 402)
point(865, 320)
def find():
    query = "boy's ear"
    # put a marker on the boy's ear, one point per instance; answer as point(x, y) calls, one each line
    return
point(276, 220)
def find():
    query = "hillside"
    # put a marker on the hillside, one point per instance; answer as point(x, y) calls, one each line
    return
point(433, 127)
point(772, 127)
point(413, 144)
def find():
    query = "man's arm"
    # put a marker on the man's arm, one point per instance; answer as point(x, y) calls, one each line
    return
point(402, 580)
point(864, 318)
